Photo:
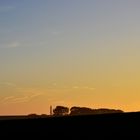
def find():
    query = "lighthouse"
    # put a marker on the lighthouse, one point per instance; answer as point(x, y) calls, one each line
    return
point(51, 113)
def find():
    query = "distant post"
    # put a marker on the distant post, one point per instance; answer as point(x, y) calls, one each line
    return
point(51, 111)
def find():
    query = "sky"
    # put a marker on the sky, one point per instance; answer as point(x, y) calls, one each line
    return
point(70, 53)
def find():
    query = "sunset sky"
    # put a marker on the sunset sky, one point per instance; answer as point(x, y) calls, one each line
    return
point(69, 52)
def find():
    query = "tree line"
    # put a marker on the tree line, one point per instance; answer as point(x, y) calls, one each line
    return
point(62, 110)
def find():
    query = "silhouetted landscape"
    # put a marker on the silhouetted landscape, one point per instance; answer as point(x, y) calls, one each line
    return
point(70, 69)
point(81, 122)
point(60, 111)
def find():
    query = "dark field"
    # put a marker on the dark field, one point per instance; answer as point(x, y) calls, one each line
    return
point(88, 126)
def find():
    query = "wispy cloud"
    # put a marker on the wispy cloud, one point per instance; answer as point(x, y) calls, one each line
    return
point(55, 33)
point(92, 88)
point(61, 102)
point(9, 84)
point(76, 87)
point(14, 45)
point(42, 43)
point(54, 86)
point(7, 98)
point(6, 8)
point(24, 95)
point(18, 44)
point(58, 102)
point(83, 87)
point(20, 99)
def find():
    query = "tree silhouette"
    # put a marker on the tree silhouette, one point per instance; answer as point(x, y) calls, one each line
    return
point(80, 110)
point(105, 110)
point(60, 111)
point(87, 111)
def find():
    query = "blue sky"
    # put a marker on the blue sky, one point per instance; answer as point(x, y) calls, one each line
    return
point(60, 50)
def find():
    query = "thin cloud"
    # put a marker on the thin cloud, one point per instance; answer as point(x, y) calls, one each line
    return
point(92, 88)
point(55, 33)
point(9, 84)
point(13, 45)
point(17, 44)
point(75, 87)
point(4, 9)
point(20, 99)
point(58, 102)
point(26, 95)
point(84, 87)
point(43, 43)
point(8, 98)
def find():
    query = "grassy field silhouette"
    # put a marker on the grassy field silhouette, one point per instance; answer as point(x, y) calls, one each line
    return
point(102, 125)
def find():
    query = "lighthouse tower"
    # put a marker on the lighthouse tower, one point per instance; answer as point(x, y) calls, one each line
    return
point(51, 113)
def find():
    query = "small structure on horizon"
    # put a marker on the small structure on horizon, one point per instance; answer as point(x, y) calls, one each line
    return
point(51, 112)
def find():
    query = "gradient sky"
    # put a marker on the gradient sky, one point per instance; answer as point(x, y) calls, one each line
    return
point(69, 52)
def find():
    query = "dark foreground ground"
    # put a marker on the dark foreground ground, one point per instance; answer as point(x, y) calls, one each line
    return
point(88, 127)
